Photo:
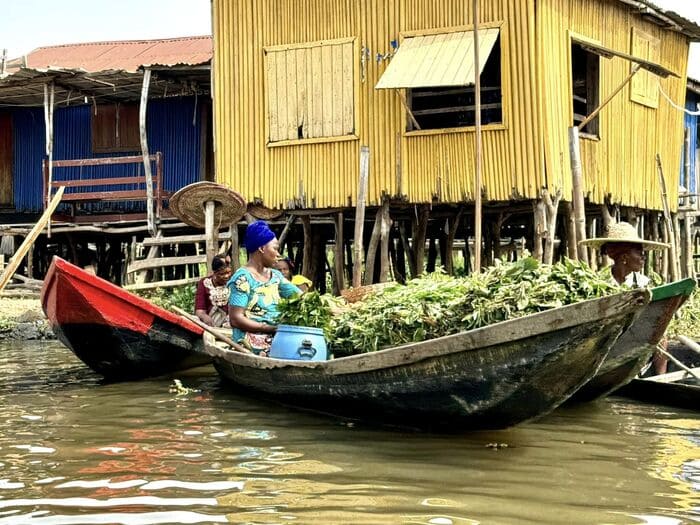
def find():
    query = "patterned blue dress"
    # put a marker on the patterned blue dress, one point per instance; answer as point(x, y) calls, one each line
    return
point(259, 300)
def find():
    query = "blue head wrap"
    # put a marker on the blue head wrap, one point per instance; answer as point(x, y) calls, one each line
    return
point(257, 234)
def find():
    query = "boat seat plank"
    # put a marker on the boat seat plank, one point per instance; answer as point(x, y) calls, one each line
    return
point(159, 262)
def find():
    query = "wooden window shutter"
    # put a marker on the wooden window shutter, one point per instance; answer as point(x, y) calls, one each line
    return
point(644, 85)
point(115, 128)
point(310, 90)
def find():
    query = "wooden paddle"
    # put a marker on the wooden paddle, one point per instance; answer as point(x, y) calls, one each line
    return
point(679, 363)
point(221, 337)
point(687, 341)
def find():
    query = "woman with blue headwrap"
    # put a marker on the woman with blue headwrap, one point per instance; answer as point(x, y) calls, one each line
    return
point(256, 289)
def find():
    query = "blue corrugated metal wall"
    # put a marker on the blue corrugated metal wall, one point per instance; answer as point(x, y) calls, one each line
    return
point(170, 131)
point(691, 122)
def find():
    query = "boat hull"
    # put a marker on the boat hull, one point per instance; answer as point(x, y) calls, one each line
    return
point(117, 334)
point(685, 394)
point(634, 348)
point(493, 377)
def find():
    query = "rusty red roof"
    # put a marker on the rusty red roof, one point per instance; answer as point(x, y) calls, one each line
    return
point(127, 55)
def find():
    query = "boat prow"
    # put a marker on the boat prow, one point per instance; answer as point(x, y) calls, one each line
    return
point(491, 377)
point(116, 333)
point(635, 346)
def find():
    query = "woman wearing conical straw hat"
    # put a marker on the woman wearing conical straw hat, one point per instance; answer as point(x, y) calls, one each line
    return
point(628, 252)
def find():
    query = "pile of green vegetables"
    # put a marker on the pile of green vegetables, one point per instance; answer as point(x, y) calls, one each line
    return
point(436, 304)
point(687, 319)
point(166, 298)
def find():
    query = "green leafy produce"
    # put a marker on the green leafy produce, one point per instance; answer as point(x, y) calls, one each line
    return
point(436, 304)
point(181, 296)
point(309, 309)
point(687, 319)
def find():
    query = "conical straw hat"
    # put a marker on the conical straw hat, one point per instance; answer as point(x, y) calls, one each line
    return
point(188, 203)
point(623, 232)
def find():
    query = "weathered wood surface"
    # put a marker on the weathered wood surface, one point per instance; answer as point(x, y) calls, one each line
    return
point(636, 345)
point(668, 389)
point(159, 262)
point(491, 377)
point(28, 242)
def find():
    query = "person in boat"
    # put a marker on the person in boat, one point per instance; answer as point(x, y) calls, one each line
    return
point(286, 267)
point(211, 299)
point(628, 252)
point(256, 289)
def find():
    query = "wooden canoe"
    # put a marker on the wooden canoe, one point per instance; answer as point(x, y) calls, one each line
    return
point(677, 389)
point(635, 346)
point(116, 333)
point(492, 377)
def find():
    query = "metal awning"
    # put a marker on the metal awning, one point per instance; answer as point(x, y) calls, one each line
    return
point(441, 60)
point(606, 52)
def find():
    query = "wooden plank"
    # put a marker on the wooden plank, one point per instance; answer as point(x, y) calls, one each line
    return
point(106, 195)
point(98, 182)
point(131, 159)
point(337, 90)
point(28, 242)
point(302, 121)
point(162, 284)
point(182, 239)
point(348, 85)
point(327, 86)
point(273, 107)
point(317, 93)
point(309, 86)
point(159, 262)
point(454, 109)
point(291, 124)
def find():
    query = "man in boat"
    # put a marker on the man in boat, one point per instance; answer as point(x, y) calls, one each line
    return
point(256, 289)
point(628, 252)
point(211, 299)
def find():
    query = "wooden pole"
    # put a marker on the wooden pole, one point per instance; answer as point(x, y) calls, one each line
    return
point(144, 151)
point(688, 240)
point(360, 216)
point(221, 337)
point(210, 233)
point(12, 266)
point(577, 190)
point(372, 248)
point(48, 124)
point(338, 253)
point(384, 261)
point(673, 251)
point(477, 141)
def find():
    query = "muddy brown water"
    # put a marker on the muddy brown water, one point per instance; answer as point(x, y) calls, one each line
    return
point(74, 450)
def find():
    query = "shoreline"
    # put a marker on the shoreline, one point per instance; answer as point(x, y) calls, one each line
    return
point(22, 319)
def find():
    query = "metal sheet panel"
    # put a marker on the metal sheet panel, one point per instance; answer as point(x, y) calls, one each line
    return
point(692, 123)
point(174, 127)
point(439, 60)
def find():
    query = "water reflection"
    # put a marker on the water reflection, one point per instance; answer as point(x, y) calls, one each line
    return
point(74, 450)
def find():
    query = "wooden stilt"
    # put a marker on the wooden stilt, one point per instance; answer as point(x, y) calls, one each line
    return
point(385, 231)
point(339, 282)
point(307, 264)
point(235, 247)
point(372, 248)
point(540, 229)
point(551, 210)
point(454, 223)
point(406, 250)
point(360, 216)
point(420, 229)
point(432, 255)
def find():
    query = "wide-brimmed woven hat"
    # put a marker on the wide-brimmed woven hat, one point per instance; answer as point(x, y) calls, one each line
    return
point(262, 212)
point(188, 203)
point(623, 232)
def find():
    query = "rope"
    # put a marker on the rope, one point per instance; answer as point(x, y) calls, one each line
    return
point(680, 108)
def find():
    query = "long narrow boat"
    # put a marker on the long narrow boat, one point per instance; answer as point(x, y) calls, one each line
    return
point(634, 347)
point(116, 333)
point(677, 389)
point(491, 377)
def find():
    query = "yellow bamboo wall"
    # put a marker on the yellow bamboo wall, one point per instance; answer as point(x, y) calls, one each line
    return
point(622, 164)
point(519, 157)
point(438, 165)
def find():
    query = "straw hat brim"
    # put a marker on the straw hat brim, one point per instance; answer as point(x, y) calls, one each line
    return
point(597, 242)
point(261, 212)
point(188, 204)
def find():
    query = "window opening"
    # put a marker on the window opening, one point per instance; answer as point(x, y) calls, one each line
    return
point(585, 79)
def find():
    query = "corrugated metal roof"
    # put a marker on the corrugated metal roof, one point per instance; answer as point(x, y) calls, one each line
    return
point(665, 17)
point(441, 60)
point(127, 55)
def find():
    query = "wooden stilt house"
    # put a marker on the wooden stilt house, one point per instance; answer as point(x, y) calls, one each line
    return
point(302, 85)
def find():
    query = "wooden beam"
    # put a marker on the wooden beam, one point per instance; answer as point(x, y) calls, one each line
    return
point(477, 141)
point(162, 284)
point(159, 262)
point(144, 151)
point(338, 253)
point(28, 242)
point(360, 216)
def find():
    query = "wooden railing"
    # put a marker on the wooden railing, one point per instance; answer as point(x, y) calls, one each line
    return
point(109, 193)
